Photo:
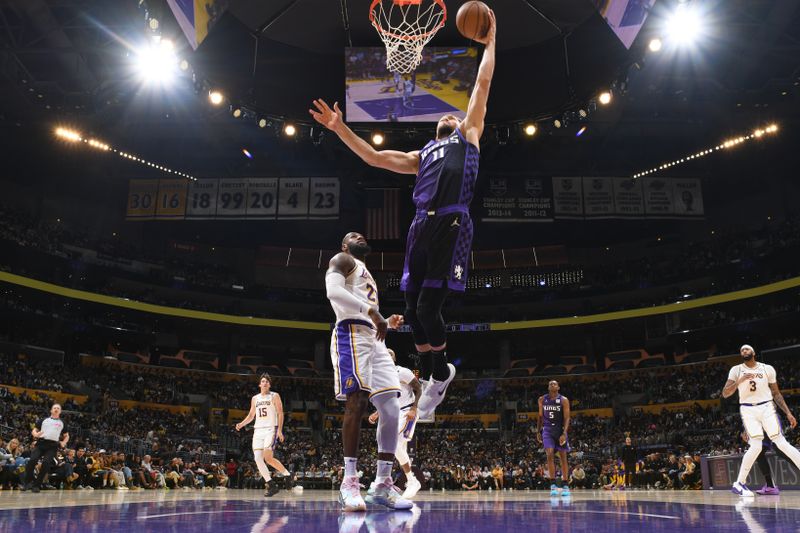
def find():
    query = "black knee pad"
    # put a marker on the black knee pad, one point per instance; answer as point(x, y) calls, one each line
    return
point(417, 330)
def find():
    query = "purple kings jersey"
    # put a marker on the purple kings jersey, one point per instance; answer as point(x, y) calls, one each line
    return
point(553, 412)
point(447, 172)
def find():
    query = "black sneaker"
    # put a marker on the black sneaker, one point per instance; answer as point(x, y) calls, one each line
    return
point(24, 487)
point(35, 489)
point(272, 489)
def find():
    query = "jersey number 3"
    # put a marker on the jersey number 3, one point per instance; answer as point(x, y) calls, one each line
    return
point(752, 386)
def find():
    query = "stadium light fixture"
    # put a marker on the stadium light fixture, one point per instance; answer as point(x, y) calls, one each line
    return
point(377, 138)
point(684, 26)
point(605, 97)
point(215, 97)
point(655, 45)
point(530, 130)
point(157, 62)
point(289, 130)
point(68, 134)
point(236, 111)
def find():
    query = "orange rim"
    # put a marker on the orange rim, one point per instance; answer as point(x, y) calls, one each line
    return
point(377, 26)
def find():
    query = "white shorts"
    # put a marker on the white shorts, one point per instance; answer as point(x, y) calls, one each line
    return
point(762, 418)
point(360, 361)
point(265, 438)
point(407, 427)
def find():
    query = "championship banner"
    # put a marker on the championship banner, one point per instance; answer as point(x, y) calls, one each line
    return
point(688, 198)
point(142, 195)
point(658, 197)
point(171, 199)
point(598, 197)
point(516, 199)
point(628, 198)
point(568, 197)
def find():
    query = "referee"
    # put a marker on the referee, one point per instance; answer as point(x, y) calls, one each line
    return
point(52, 434)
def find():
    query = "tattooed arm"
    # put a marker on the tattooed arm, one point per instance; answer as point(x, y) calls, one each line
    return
point(780, 402)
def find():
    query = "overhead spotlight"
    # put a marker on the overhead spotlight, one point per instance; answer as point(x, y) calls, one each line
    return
point(153, 24)
point(655, 45)
point(262, 122)
point(247, 153)
point(236, 111)
point(557, 123)
point(215, 97)
point(184, 65)
point(290, 130)
point(530, 130)
point(156, 62)
point(583, 113)
point(684, 26)
point(605, 97)
point(377, 138)
point(67, 134)
point(581, 131)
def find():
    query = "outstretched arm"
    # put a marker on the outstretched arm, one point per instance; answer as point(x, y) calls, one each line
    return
point(394, 160)
point(472, 126)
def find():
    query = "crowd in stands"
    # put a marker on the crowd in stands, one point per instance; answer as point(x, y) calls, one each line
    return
point(113, 448)
point(735, 260)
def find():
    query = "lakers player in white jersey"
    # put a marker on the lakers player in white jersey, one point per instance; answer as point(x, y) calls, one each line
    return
point(266, 408)
point(758, 395)
point(363, 371)
point(410, 393)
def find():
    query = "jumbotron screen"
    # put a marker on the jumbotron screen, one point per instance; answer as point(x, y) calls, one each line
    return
point(441, 84)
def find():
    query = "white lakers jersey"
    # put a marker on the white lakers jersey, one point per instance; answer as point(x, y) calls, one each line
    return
point(756, 389)
point(359, 282)
point(406, 392)
point(266, 412)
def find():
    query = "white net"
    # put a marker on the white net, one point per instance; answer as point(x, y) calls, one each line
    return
point(406, 26)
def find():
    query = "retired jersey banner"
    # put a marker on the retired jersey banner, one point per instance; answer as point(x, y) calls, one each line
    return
point(517, 199)
point(628, 198)
point(688, 198)
point(234, 198)
point(568, 197)
point(658, 197)
point(598, 198)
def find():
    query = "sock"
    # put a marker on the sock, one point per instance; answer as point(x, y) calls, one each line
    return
point(440, 370)
point(763, 465)
point(410, 475)
point(350, 469)
point(749, 458)
point(263, 469)
point(425, 365)
point(384, 471)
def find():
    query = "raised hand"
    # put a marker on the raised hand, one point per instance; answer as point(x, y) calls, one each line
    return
point(330, 118)
point(491, 33)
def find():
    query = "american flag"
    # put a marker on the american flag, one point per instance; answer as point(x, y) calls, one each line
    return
point(383, 214)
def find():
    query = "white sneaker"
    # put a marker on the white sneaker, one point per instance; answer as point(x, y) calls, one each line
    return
point(742, 490)
point(433, 395)
point(388, 495)
point(350, 496)
point(412, 487)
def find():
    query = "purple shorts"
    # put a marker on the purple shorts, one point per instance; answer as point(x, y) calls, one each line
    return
point(550, 440)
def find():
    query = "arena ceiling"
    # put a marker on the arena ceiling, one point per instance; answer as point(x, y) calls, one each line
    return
point(68, 61)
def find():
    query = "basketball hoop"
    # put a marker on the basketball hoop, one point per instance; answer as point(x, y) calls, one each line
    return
point(405, 27)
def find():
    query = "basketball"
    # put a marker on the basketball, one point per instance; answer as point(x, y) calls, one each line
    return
point(472, 20)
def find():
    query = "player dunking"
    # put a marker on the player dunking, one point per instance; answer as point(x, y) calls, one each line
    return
point(551, 430)
point(267, 409)
point(363, 370)
point(758, 394)
point(410, 393)
point(440, 237)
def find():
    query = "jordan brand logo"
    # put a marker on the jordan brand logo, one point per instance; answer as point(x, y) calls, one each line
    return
point(455, 224)
point(458, 271)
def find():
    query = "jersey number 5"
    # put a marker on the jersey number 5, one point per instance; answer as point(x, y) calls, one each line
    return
point(552, 415)
point(752, 386)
